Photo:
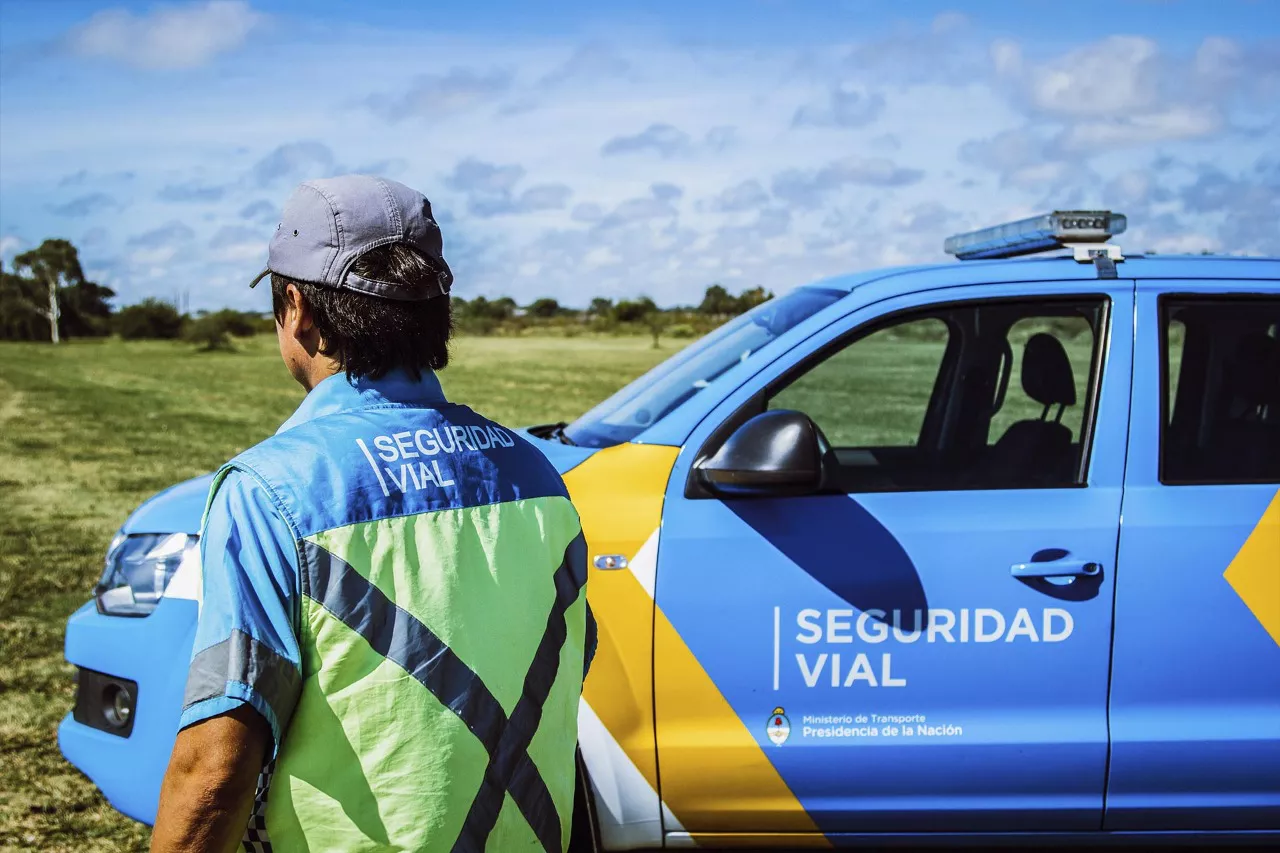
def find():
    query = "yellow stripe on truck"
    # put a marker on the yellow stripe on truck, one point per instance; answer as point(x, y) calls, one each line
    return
point(619, 493)
point(724, 797)
point(1255, 572)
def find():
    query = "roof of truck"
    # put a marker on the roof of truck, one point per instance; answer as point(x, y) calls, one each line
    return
point(1062, 266)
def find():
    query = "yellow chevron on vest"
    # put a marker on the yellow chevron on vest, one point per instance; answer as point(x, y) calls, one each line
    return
point(1255, 572)
point(619, 493)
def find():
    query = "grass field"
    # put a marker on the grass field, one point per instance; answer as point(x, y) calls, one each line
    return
point(91, 428)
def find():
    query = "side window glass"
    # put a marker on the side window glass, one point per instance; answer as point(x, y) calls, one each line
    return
point(1075, 335)
point(1175, 333)
point(964, 396)
point(876, 392)
point(1220, 362)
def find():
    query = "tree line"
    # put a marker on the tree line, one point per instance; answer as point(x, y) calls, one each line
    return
point(47, 298)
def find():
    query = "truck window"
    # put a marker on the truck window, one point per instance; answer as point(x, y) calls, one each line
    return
point(874, 394)
point(662, 390)
point(994, 395)
point(1220, 418)
point(1076, 336)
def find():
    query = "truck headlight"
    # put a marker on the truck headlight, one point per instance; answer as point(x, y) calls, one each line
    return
point(139, 567)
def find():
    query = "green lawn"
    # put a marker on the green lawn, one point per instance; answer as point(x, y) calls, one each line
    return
point(91, 428)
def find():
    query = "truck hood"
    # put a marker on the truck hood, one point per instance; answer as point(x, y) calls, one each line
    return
point(564, 456)
point(180, 508)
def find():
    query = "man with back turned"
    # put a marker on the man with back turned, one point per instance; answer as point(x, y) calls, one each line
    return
point(393, 631)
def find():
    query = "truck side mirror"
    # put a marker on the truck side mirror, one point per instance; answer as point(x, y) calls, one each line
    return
point(776, 453)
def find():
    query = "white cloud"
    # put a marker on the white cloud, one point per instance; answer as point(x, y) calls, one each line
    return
point(664, 139)
point(1176, 122)
point(86, 205)
point(811, 187)
point(159, 245)
point(934, 130)
point(292, 162)
point(434, 95)
point(168, 37)
point(592, 63)
point(1123, 91)
point(10, 245)
point(842, 107)
point(746, 195)
point(1187, 242)
point(490, 190)
point(239, 243)
point(1111, 77)
point(1023, 157)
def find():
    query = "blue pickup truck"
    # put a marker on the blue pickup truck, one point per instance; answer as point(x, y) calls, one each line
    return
point(984, 552)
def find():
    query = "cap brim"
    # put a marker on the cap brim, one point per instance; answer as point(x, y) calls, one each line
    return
point(260, 277)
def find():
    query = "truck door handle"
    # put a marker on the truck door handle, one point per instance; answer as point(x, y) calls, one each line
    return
point(1056, 569)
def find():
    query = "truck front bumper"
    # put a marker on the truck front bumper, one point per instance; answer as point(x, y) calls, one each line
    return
point(125, 755)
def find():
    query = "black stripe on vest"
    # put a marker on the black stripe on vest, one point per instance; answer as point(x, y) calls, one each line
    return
point(402, 639)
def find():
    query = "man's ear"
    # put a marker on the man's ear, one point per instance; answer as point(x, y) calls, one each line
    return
point(299, 322)
point(297, 313)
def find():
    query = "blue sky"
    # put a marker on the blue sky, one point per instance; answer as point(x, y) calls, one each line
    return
point(580, 149)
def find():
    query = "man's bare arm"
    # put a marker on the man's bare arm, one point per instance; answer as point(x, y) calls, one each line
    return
point(207, 794)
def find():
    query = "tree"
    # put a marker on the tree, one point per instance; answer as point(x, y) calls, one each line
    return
point(628, 311)
point(237, 324)
point(210, 331)
point(749, 299)
point(544, 307)
point(150, 318)
point(600, 307)
point(84, 310)
point(505, 307)
point(717, 302)
point(657, 323)
point(28, 300)
point(498, 309)
point(21, 317)
point(55, 265)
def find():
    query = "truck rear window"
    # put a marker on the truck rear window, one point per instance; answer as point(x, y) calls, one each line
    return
point(1220, 389)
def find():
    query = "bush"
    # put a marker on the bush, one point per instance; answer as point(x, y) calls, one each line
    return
point(211, 332)
point(237, 324)
point(682, 330)
point(628, 311)
point(544, 308)
point(472, 325)
point(150, 318)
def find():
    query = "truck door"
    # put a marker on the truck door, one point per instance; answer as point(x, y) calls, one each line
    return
point(925, 646)
point(1195, 698)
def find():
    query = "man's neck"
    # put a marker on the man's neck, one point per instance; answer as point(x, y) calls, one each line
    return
point(316, 372)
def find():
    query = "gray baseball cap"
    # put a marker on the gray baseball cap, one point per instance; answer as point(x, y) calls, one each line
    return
point(329, 223)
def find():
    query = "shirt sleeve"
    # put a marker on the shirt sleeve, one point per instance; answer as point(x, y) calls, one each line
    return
point(246, 646)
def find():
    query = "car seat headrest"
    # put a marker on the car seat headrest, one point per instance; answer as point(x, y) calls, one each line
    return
point(1046, 372)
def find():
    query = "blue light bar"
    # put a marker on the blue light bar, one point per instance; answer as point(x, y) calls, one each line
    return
point(1037, 234)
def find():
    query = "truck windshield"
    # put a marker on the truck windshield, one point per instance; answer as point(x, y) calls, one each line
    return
point(651, 397)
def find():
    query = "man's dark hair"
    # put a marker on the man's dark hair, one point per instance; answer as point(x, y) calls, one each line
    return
point(369, 335)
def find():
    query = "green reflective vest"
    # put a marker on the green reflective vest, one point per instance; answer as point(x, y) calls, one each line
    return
point(442, 633)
